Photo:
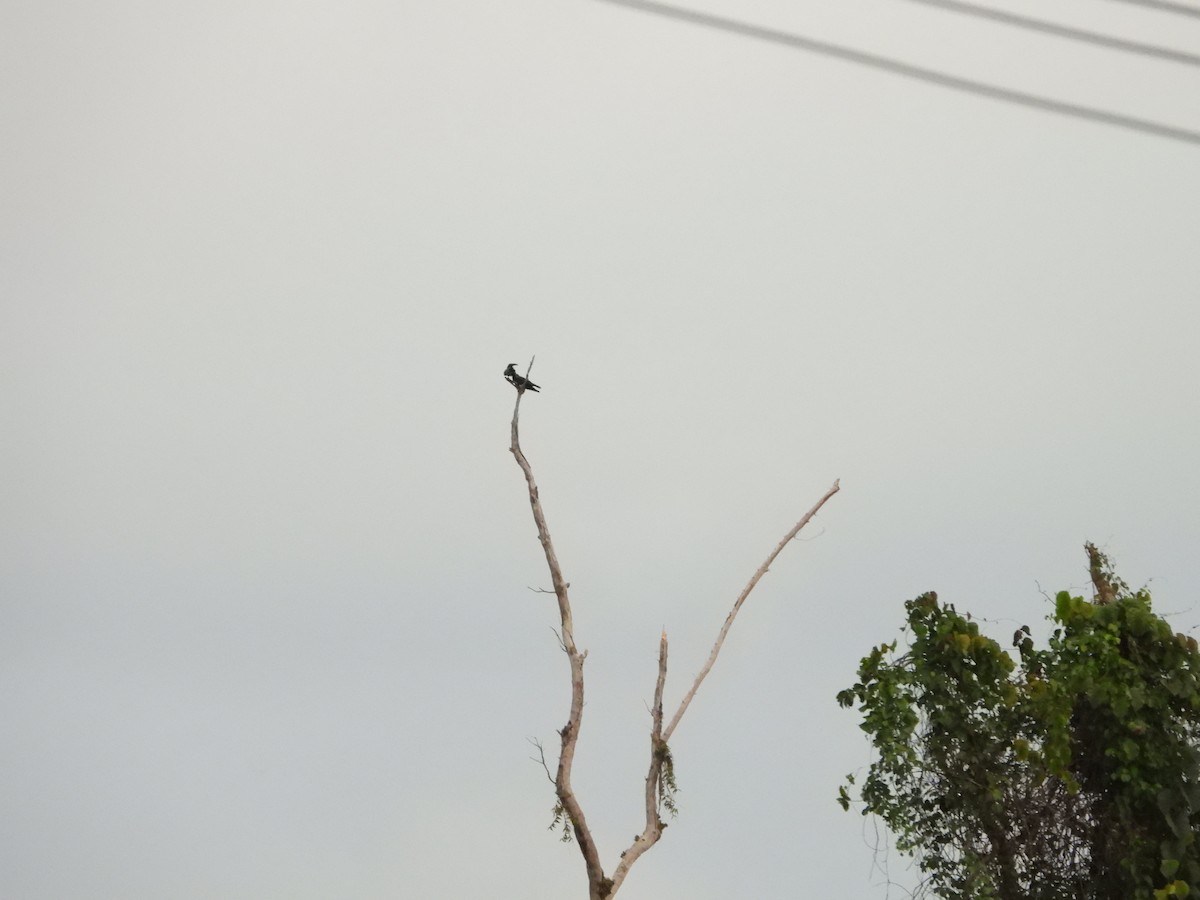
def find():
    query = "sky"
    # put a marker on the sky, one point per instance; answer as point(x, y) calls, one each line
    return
point(266, 619)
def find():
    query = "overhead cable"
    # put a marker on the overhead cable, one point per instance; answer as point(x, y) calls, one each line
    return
point(1075, 34)
point(1181, 9)
point(896, 67)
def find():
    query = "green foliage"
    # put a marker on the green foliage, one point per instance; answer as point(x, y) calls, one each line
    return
point(562, 821)
point(1073, 773)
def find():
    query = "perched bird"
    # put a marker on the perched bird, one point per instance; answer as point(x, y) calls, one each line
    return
point(520, 382)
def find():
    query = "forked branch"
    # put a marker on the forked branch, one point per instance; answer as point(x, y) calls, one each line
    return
point(659, 778)
point(660, 753)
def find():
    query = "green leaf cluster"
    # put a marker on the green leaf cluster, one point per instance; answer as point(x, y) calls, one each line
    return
point(561, 823)
point(1072, 771)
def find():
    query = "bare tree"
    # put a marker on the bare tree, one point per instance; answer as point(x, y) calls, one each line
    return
point(660, 776)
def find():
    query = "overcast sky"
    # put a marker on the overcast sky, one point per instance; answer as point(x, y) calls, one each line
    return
point(266, 630)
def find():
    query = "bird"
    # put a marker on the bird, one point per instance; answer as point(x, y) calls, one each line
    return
point(520, 382)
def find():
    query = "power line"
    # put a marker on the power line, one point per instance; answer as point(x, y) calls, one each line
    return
point(1076, 34)
point(1181, 9)
point(907, 70)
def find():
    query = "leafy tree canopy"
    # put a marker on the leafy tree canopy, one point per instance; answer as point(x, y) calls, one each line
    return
point(1070, 772)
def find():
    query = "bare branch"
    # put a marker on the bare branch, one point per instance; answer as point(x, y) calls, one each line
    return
point(660, 781)
point(658, 750)
point(1102, 580)
point(762, 570)
point(599, 887)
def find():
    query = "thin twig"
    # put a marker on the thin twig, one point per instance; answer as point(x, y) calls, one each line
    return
point(541, 757)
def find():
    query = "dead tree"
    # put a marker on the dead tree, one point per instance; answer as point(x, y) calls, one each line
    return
point(659, 777)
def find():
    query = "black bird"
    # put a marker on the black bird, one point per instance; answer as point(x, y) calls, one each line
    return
point(520, 382)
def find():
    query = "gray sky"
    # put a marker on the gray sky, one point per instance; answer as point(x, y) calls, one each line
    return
point(265, 626)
